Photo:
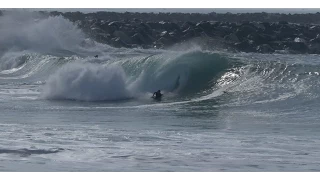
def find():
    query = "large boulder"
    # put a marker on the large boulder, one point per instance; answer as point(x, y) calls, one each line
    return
point(223, 31)
point(316, 39)
point(283, 22)
point(164, 34)
point(309, 34)
point(96, 30)
point(287, 31)
point(102, 38)
point(258, 26)
point(266, 25)
point(123, 36)
point(169, 26)
point(137, 38)
point(244, 30)
point(189, 33)
point(245, 46)
point(298, 39)
point(298, 47)
point(277, 45)
point(187, 25)
point(314, 48)
point(232, 38)
point(115, 23)
point(175, 34)
point(141, 39)
point(258, 38)
point(146, 27)
point(264, 48)
point(154, 25)
point(269, 28)
point(204, 25)
point(164, 41)
point(117, 42)
point(106, 27)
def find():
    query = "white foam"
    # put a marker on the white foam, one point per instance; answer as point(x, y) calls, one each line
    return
point(87, 82)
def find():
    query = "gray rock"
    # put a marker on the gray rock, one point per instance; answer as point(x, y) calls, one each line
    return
point(244, 31)
point(265, 48)
point(137, 38)
point(117, 42)
point(169, 26)
point(164, 41)
point(298, 47)
point(314, 48)
point(232, 37)
point(188, 33)
point(283, 22)
point(258, 38)
point(297, 39)
point(187, 25)
point(245, 46)
point(121, 35)
point(140, 39)
point(204, 25)
point(316, 39)
point(164, 34)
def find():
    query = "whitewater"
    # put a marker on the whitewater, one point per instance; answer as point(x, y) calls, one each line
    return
point(62, 109)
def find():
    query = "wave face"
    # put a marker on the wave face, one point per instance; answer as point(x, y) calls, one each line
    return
point(131, 78)
point(184, 72)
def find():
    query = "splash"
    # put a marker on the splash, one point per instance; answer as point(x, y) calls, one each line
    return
point(87, 82)
point(20, 30)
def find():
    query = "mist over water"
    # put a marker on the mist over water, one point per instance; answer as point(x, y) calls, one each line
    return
point(22, 31)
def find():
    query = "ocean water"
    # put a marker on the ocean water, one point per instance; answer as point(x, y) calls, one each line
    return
point(64, 110)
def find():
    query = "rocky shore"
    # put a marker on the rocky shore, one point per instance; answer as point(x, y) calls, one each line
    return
point(248, 32)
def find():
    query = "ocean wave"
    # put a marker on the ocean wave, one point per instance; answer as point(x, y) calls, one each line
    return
point(179, 74)
point(53, 50)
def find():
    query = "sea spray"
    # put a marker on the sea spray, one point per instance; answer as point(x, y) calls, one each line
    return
point(87, 82)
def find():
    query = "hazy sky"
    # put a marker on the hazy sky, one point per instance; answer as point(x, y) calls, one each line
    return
point(195, 10)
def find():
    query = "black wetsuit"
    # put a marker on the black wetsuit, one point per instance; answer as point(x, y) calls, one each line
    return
point(158, 95)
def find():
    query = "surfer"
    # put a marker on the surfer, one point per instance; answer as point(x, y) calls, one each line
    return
point(96, 56)
point(157, 95)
